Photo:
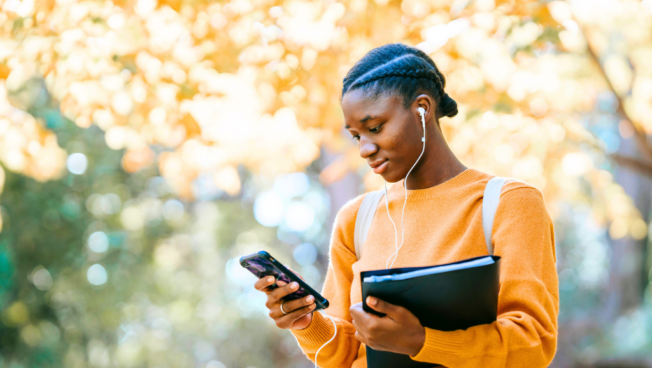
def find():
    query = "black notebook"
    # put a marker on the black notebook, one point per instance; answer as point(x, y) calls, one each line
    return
point(447, 301)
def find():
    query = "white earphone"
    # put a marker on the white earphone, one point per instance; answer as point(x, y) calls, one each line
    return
point(422, 112)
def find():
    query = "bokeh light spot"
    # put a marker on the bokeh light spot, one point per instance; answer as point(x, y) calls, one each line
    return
point(299, 217)
point(268, 209)
point(98, 242)
point(173, 210)
point(292, 185)
point(132, 218)
point(305, 254)
point(576, 163)
point(97, 274)
point(41, 278)
point(77, 163)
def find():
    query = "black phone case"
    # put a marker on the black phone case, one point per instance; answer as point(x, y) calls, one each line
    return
point(263, 264)
point(448, 301)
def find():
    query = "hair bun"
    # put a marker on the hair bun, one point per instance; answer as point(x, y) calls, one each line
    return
point(447, 106)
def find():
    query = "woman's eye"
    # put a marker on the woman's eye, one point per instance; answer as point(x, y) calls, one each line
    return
point(356, 137)
point(375, 129)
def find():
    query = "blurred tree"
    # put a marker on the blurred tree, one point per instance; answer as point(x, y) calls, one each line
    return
point(609, 39)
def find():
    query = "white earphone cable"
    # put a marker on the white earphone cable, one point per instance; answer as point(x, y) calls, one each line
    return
point(335, 333)
point(390, 219)
point(395, 254)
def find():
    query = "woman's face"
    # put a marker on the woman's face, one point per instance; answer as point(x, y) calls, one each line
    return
point(389, 136)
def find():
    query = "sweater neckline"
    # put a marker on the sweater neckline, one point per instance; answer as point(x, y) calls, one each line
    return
point(396, 190)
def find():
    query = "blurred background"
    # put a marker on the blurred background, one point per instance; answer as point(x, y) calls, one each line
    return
point(146, 145)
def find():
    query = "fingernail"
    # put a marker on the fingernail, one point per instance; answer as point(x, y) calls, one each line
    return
point(280, 283)
point(270, 279)
point(371, 301)
point(310, 298)
point(294, 285)
point(312, 306)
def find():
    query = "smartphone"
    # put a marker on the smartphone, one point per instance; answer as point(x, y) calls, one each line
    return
point(263, 264)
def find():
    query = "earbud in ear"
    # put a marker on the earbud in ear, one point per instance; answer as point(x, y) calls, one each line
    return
point(422, 112)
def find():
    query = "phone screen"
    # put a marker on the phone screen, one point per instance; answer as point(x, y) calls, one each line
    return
point(262, 267)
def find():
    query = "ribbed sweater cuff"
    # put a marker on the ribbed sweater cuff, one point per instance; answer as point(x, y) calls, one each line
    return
point(317, 333)
point(438, 343)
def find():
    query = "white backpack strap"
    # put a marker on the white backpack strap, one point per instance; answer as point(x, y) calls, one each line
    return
point(489, 206)
point(364, 218)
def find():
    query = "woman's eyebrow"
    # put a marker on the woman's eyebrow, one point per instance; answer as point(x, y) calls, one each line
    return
point(363, 120)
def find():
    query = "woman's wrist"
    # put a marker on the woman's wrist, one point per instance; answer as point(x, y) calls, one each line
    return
point(308, 325)
point(417, 342)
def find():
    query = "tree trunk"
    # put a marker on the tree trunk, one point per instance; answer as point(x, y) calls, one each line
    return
point(627, 279)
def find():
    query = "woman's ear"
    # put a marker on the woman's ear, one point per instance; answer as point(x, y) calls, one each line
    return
point(425, 102)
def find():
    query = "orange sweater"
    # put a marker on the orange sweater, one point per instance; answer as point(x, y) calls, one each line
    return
point(444, 224)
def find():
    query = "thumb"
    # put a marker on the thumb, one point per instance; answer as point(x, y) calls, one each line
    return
point(382, 306)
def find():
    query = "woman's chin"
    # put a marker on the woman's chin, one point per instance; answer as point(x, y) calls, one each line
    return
point(389, 174)
point(391, 177)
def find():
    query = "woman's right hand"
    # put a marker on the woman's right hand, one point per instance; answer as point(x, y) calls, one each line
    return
point(299, 311)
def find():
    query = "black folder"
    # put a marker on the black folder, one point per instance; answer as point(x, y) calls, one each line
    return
point(447, 301)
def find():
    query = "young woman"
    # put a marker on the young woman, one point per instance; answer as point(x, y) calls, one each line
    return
point(381, 98)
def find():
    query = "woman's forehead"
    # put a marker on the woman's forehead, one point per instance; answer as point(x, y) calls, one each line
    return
point(357, 105)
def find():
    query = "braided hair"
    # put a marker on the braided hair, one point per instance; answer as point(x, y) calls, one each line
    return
point(403, 70)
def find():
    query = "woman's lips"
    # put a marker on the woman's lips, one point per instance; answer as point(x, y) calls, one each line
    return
point(380, 168)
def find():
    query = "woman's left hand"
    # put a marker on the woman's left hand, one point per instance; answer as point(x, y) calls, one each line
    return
point(398, 332)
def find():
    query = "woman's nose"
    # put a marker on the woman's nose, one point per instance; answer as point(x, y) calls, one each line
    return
point(367, 148)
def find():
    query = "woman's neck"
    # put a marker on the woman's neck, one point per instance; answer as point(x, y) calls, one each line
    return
point(438, 164)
